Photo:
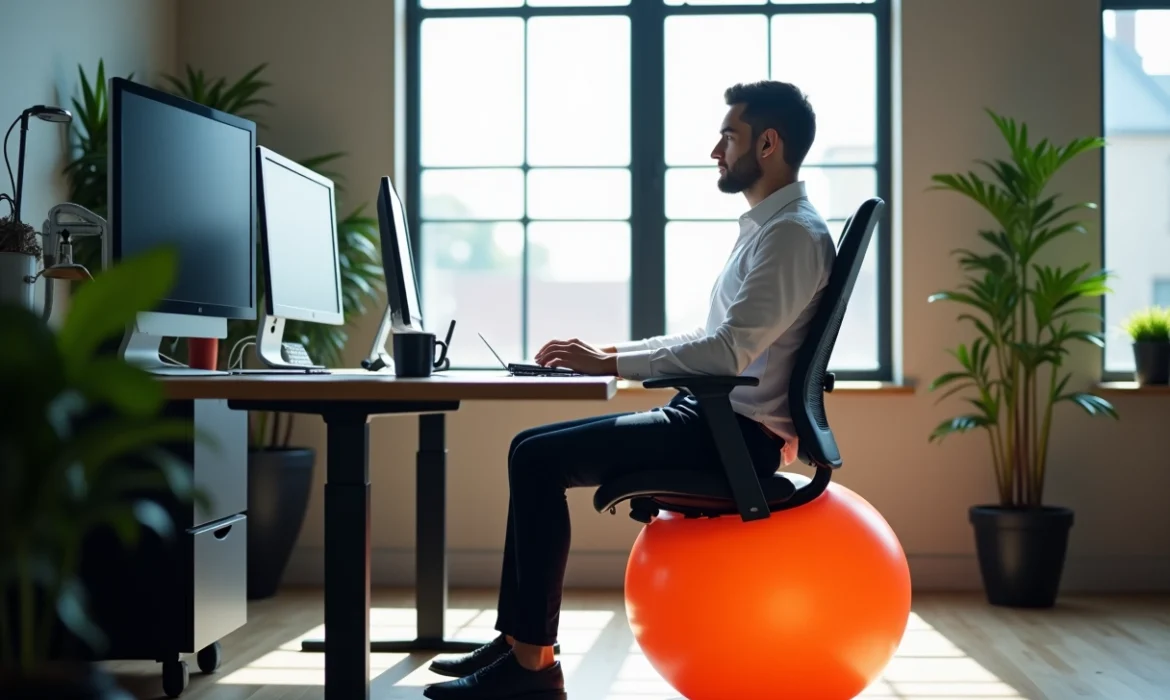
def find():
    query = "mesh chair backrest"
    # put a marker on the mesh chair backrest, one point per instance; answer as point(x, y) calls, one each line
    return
point(806, 394)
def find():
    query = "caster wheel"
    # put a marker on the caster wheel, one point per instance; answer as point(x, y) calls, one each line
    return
point(175, 677)
point(210, 657)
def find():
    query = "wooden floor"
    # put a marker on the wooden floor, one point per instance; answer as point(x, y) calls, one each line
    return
point(956, 648)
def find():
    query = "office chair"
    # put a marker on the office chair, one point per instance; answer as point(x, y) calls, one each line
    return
point(695, 493)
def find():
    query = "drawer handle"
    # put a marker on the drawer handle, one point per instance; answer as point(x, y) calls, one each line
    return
point(219, 529)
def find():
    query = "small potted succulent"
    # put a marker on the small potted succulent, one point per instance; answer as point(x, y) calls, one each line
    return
point(19, 255)
point(1149, 329)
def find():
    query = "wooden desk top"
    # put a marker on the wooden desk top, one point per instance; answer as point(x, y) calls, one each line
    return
point(359, 385)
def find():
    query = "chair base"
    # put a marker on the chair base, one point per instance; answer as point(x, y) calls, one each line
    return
point(699, 494)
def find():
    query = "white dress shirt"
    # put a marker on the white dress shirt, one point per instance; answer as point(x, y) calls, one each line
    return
point(761, 306)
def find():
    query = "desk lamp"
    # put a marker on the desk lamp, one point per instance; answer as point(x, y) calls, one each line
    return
point(49, 114)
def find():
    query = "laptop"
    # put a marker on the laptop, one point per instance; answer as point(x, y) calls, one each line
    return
point(522, 370)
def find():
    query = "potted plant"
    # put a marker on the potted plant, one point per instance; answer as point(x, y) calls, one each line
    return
point(1149, 329)
point(1025, 315)
point(280, 474)
point(81, 437)
point(19, 255)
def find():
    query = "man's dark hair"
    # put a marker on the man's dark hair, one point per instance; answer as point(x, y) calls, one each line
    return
point(770, 104)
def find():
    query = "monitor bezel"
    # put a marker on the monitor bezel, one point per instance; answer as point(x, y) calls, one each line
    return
point(118, 87)
point(394, 259)
point(271, 307)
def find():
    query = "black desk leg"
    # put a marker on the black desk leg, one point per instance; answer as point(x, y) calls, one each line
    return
point(430, 546)
point(347, 559)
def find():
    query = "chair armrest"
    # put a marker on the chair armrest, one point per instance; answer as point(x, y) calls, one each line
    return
point(696, 383)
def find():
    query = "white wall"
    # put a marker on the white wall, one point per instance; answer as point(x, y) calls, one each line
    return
point(44, 43)
point(1036, 61)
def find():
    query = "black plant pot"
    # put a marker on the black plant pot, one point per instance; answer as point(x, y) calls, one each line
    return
point(60, 681)
point(1152, 362)
point(1021, 553)
point(279, 483)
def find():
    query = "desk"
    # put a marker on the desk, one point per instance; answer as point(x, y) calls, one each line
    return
point(346, 401)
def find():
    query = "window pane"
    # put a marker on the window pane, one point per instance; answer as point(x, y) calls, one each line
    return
point(472, 194)
point(857, 341)
point(578, 282)
point(577, 3)
point(484, 79)
point(705, 55)
point(449, 4)
point(715, 2)
point(695, 254)
point(833, 59)
point(471, 272)
point(691, 193)
point(578, 194)
point(579, 91)
point(1137, 170)
point(838, 192)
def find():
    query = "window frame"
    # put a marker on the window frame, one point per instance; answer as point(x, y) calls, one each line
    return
point(1108, 375)
point(647, 158)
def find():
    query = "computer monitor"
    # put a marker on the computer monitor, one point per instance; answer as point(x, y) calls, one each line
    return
point(184, 175)
point(302, 277)
point(402, 314)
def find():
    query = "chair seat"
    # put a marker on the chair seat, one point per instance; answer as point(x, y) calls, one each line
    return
point(694, 493)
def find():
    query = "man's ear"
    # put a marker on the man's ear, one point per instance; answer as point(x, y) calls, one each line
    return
point(769, 143)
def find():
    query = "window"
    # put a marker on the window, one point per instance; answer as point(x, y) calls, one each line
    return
point(1136, 181)
point(559, 176)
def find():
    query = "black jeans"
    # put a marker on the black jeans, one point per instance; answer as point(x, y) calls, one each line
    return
point(545, 461)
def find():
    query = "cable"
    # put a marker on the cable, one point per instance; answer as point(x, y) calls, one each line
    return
point(11, 204)
point(240, 359)
point(11, 180)
point(244, 342)
point(171, 360)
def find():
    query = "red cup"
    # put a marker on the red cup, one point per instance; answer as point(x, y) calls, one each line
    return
point(203, 353)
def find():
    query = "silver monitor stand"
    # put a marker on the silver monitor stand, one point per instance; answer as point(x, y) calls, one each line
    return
point(379, 360)
point(141, 342)
point(269, 339)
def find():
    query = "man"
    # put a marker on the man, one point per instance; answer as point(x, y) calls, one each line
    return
point(761, 306)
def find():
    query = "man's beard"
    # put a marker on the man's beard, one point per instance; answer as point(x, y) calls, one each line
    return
point(740, 175)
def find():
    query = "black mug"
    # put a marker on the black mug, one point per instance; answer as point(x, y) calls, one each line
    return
point(414, 355)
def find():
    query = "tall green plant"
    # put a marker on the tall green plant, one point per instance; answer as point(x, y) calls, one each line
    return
point(81, 441)
point(1023, 310)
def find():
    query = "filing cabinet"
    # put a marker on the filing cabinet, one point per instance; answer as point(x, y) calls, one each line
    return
point(168, 597)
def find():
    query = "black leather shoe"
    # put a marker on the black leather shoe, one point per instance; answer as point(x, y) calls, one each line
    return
point(504, 679)
point(469, 663)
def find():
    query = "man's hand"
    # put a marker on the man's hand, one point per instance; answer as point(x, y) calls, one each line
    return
point(578, 356)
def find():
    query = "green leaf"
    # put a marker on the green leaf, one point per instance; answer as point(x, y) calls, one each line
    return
point(1093, 405)
point(104, 307)
point(127, 388)
point(71, 609)
point(154, 517)
point(948, 378)
point(959, 424)
point(111, 438)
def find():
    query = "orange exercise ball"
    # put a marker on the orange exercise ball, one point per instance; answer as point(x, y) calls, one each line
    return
point(808, 604)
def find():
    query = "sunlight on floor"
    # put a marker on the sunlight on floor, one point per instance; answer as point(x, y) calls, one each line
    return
point(927, 666)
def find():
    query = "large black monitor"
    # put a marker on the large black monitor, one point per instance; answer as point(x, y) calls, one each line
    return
point(302, 276)
point(397, 260)
point(184, 175)
point(402, 314)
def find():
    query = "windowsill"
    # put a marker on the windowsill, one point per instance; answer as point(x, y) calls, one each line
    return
point(864, 388)
point(1132, 387)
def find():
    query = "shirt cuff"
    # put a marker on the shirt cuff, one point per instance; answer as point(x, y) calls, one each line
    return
point(634, 365)
point(629, 346)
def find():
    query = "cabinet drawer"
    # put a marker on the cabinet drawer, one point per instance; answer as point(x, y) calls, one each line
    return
point(219, 579)
point(221, 466)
